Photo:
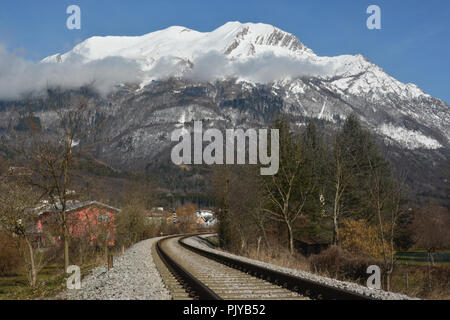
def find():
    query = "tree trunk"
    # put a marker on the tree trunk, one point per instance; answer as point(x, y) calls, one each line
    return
point(81, 255)
point(106, 251)
point(291, 239)
point(335, 230)
point(335, 218)
point(266, 240)
point(257, 248)
point(388, 280)
point(263, 231)
point(33, 273)
point(66, 248)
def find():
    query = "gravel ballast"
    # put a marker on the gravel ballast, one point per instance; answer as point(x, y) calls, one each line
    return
point(133, 277)
point(350, 286)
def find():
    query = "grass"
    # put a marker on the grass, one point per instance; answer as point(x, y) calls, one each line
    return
point(418, 284)
point(214, 240)
point(277, 255)
point(421, 263)
point(420, 258)
point(51, 281)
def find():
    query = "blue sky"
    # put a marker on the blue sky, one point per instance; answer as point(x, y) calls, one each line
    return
point(413, 45)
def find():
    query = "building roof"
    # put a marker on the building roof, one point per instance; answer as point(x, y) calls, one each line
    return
point(312, 241)
point(75, 206)
point(159, 214)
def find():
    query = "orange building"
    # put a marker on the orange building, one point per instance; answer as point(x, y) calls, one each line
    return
point(91, 221)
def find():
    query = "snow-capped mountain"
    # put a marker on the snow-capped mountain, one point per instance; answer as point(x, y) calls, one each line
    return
point(234, 39)
point(244, 75)
point(240, 43)
point(256, 54)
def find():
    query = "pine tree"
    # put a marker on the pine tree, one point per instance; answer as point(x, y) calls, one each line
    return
point(316, 155)
point(356, 165)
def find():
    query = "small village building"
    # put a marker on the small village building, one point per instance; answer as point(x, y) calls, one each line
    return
point(159, 216)
point(91, 221)
point(311, 245)
point(206, 218)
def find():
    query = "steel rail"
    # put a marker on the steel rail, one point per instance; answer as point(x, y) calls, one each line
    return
point(191, 284)
point(309, 288)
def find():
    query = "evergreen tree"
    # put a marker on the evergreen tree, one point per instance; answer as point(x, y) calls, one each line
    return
point(363, 158)
point(316, 156)
point(404, 235)
point(357, 164)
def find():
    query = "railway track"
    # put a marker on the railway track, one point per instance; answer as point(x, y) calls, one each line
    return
point(193, 273)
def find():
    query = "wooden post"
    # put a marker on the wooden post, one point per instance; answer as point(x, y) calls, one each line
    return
point(110, 261)
point(407, 280)
point(429, 273)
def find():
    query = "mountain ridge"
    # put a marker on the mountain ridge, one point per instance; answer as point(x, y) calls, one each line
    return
point(252, 53)
point(234, 39)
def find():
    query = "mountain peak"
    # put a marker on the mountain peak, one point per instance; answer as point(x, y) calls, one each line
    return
point(254, 52)
point(234, 39)
point(236, 26)
point(253, 38)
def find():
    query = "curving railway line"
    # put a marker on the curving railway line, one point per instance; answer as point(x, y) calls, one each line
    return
point(192, 273)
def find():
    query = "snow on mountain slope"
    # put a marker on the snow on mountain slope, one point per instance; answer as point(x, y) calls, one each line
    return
point(310, 85)
point(410, 138)
point(233, 38)
point(250, 46)
point(240, 43)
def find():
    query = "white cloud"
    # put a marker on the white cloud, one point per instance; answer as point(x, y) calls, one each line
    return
point(264, 68)
point(19, 76)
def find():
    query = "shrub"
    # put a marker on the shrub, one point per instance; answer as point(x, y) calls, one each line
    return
point(130, 225)
point(341, 264)
point(10, 259)
point(440, 277)
point(361, 238)
point(276, 254)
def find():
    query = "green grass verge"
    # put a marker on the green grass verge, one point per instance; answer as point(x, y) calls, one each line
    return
point(51, 281)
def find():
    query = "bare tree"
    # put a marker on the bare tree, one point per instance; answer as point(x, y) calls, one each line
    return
point(289, 190)
point(18, 220)
point(287, 207)
point(51, 158)
point(341, 179)
point(260, 218)
point(187, 218)
point(395, 210)
point(228, 186)
point(385, 196)
point(88, 231)
point(348, 171)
